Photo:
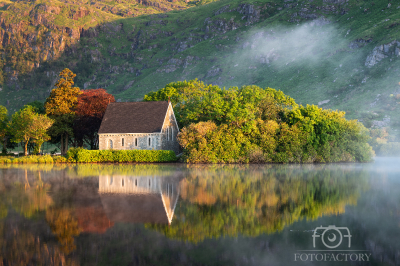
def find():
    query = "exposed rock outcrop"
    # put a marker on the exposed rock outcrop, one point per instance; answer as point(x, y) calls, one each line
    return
point(382, 51)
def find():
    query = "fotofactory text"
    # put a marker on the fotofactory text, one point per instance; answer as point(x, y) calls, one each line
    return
point(328, 244)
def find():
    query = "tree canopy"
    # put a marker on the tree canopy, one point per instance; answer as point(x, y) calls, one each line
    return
point(92, 105)
point(64, 97)
point(60, 106)
point(27, 125)
point(93, 102)
point(252, 124)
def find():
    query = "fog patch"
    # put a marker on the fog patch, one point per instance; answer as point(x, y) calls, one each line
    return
point(308, 43)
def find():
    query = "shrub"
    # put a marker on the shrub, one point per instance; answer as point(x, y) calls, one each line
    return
point(59, 159)
point(256, 155)
point(4, 160)
point(80, 155)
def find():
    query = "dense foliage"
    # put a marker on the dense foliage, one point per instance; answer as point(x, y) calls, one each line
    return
point(60, 105)
point(92, 105)
point(27, 125)
point(80, 155)
point(251, 124)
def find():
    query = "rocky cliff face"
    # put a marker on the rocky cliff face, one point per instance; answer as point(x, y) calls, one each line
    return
point(32, 33)
point(382, 51)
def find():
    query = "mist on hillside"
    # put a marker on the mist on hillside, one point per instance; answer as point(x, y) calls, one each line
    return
point(309, 43)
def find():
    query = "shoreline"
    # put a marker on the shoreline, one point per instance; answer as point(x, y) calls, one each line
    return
point(63, 160)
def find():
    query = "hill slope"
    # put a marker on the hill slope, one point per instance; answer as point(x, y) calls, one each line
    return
point(33, 32)
point(338, 53)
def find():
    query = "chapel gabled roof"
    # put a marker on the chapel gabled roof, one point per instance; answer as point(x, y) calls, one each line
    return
point(134, 117)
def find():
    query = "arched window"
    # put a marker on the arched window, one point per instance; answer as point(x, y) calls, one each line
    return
point(122, 142)
point(167, 133)
point(110, 144)
point(135, 182)
point(149, 142)
point(172, 133)
point(136, 142)
point(123, 182)
point(149, 183)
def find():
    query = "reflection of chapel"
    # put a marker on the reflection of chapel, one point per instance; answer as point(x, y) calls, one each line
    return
point(139, 199)
point(139, 125)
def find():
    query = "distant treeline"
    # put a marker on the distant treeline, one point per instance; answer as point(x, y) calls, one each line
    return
point(252, 124)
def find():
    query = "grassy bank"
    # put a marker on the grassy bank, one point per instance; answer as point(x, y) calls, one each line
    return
point(47, 159)
point(79, 155)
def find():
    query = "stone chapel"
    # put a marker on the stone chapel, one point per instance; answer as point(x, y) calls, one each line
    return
point(139, 125)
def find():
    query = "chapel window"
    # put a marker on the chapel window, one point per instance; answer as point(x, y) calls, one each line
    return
point(167, 133)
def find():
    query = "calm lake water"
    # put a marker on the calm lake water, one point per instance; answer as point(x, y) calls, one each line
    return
point(174, 214)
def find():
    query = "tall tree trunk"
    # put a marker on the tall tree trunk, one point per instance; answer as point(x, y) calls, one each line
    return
point(66, 144)
point(80, 143)
point(26, 148)
point(4, 145)
point(62, 145)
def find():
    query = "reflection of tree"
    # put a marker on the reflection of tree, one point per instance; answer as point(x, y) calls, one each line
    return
point(64, 226)
point(220, 201)
point(3, 205)
point(19, 247)
point(28, 198)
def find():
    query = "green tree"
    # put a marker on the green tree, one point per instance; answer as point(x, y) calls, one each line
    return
point(39, 130)
point(27, 125)
point(60, 106)
point(39, 107)
point(3, 127)
point(20, 126)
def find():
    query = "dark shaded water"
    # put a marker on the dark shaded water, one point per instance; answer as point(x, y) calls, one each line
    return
point(337, 214)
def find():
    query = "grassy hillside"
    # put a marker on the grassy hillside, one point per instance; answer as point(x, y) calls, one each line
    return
point(34, 32)
point(328, 52)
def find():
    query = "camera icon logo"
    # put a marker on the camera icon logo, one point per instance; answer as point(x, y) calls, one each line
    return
point(331, 236)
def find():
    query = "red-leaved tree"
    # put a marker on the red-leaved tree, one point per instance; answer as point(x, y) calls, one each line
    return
point(89, 112)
